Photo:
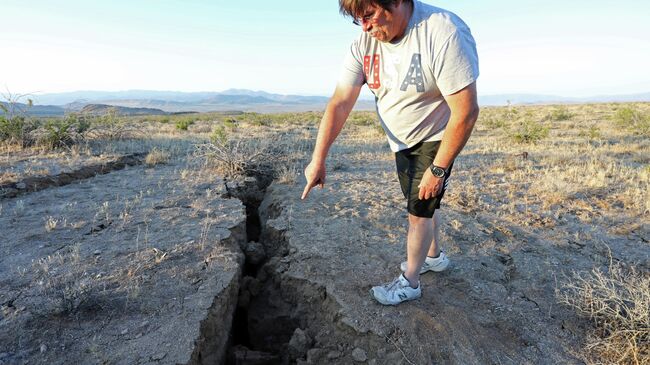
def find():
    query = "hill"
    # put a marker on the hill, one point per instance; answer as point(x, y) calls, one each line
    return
point(101, 109)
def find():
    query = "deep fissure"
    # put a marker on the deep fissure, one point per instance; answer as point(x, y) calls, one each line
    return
point(251, 193)
point(265, 319)
point(279, 318)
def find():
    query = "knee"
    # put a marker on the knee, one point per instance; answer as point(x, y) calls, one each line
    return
point(415, 220)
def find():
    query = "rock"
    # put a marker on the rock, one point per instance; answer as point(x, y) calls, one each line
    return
point(394, 358)
point(359, 355)
point(243, 355)
point(333, 355)
point(43, 348)
point(255, 253)
point(314, 355)
point(159, 356)
point(125, 331)
point(97, 252)
point(299, 343)
point(21, 186)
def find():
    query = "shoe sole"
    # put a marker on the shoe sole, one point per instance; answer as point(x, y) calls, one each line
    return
point(372, 293)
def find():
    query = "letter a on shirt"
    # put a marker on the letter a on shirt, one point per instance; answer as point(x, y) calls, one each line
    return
point(414, 76)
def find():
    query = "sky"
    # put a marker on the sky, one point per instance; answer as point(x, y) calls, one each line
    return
point(568, 48)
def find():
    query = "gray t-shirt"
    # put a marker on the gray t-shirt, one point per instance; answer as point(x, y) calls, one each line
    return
point(435, 57)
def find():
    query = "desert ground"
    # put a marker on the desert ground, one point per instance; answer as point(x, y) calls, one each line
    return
point(183, 240)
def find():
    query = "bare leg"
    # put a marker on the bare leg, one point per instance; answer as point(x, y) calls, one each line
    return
point(434, 250)
point(423, 238)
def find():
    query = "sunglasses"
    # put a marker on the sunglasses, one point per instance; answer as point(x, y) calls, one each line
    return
point(368, 18)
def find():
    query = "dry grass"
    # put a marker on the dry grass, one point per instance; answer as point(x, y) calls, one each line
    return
point(156, 156)
point(618, 303)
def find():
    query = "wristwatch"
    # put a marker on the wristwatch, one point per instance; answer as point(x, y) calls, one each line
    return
point(438, 171)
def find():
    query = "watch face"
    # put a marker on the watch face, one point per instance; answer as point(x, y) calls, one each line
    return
point(437, 171)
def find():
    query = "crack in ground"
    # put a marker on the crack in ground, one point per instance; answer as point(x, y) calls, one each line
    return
point(37, 183)
point(281, 319)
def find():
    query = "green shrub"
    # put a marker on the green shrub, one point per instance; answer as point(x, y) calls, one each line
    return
point(12, 129)
point(219, 135)
point(592, 133)
point(183, 124)
point(230, 123)
point(493, 122)
point(261, 122)
point(110, 126)
point(560, 113)
point(58, 133)
point(633, 120)
point(529, 131)
point(81, 123)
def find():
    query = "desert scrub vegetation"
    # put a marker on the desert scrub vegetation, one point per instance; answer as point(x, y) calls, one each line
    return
point(560, 113)
point(184, 123)
point(633, 120)
point(235, 156)
point(617, 301)
point(156, 156)
point(529, 131)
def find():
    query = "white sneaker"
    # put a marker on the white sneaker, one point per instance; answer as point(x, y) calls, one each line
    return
point(437, 264)
point(399, 290)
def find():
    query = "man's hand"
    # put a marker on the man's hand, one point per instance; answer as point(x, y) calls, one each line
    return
point(315, 175)
point(430, 186)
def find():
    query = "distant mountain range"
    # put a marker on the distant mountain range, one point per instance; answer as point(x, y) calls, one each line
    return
point(518, 99)
point(135, 102)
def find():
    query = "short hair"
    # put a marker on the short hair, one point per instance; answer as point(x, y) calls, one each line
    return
point(355, 8)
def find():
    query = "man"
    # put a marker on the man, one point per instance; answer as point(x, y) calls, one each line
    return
point(421, 63)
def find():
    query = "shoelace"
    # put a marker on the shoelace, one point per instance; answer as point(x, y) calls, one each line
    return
point(391, 285)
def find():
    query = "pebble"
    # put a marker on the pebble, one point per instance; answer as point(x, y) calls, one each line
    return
point(21, 186)
point(125, 331)
point(359, 355)
point(97, 252)
point(43, 348)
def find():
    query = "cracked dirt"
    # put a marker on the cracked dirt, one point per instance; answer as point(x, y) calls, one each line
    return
point(175, 264)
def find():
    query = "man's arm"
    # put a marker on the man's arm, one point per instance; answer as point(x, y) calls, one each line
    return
point(336, 113)
point(464, 113)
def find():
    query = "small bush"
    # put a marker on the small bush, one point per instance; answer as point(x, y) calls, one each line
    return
point(529, 131)
point(560, 114)
point(58, 133)
point(493, 122)
point(261, 122)
point(183, 124)
point(156, 156)
point(110, 126)
point(12, 129)
point(618, 302)
point(230, 123)
point(592, 133)
point(633, 120)
point(240, 157)
point(219, 135)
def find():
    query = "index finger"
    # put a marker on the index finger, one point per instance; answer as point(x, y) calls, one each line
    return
point(308, 187)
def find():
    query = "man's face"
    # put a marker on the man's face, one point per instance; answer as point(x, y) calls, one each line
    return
point(380, 23)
